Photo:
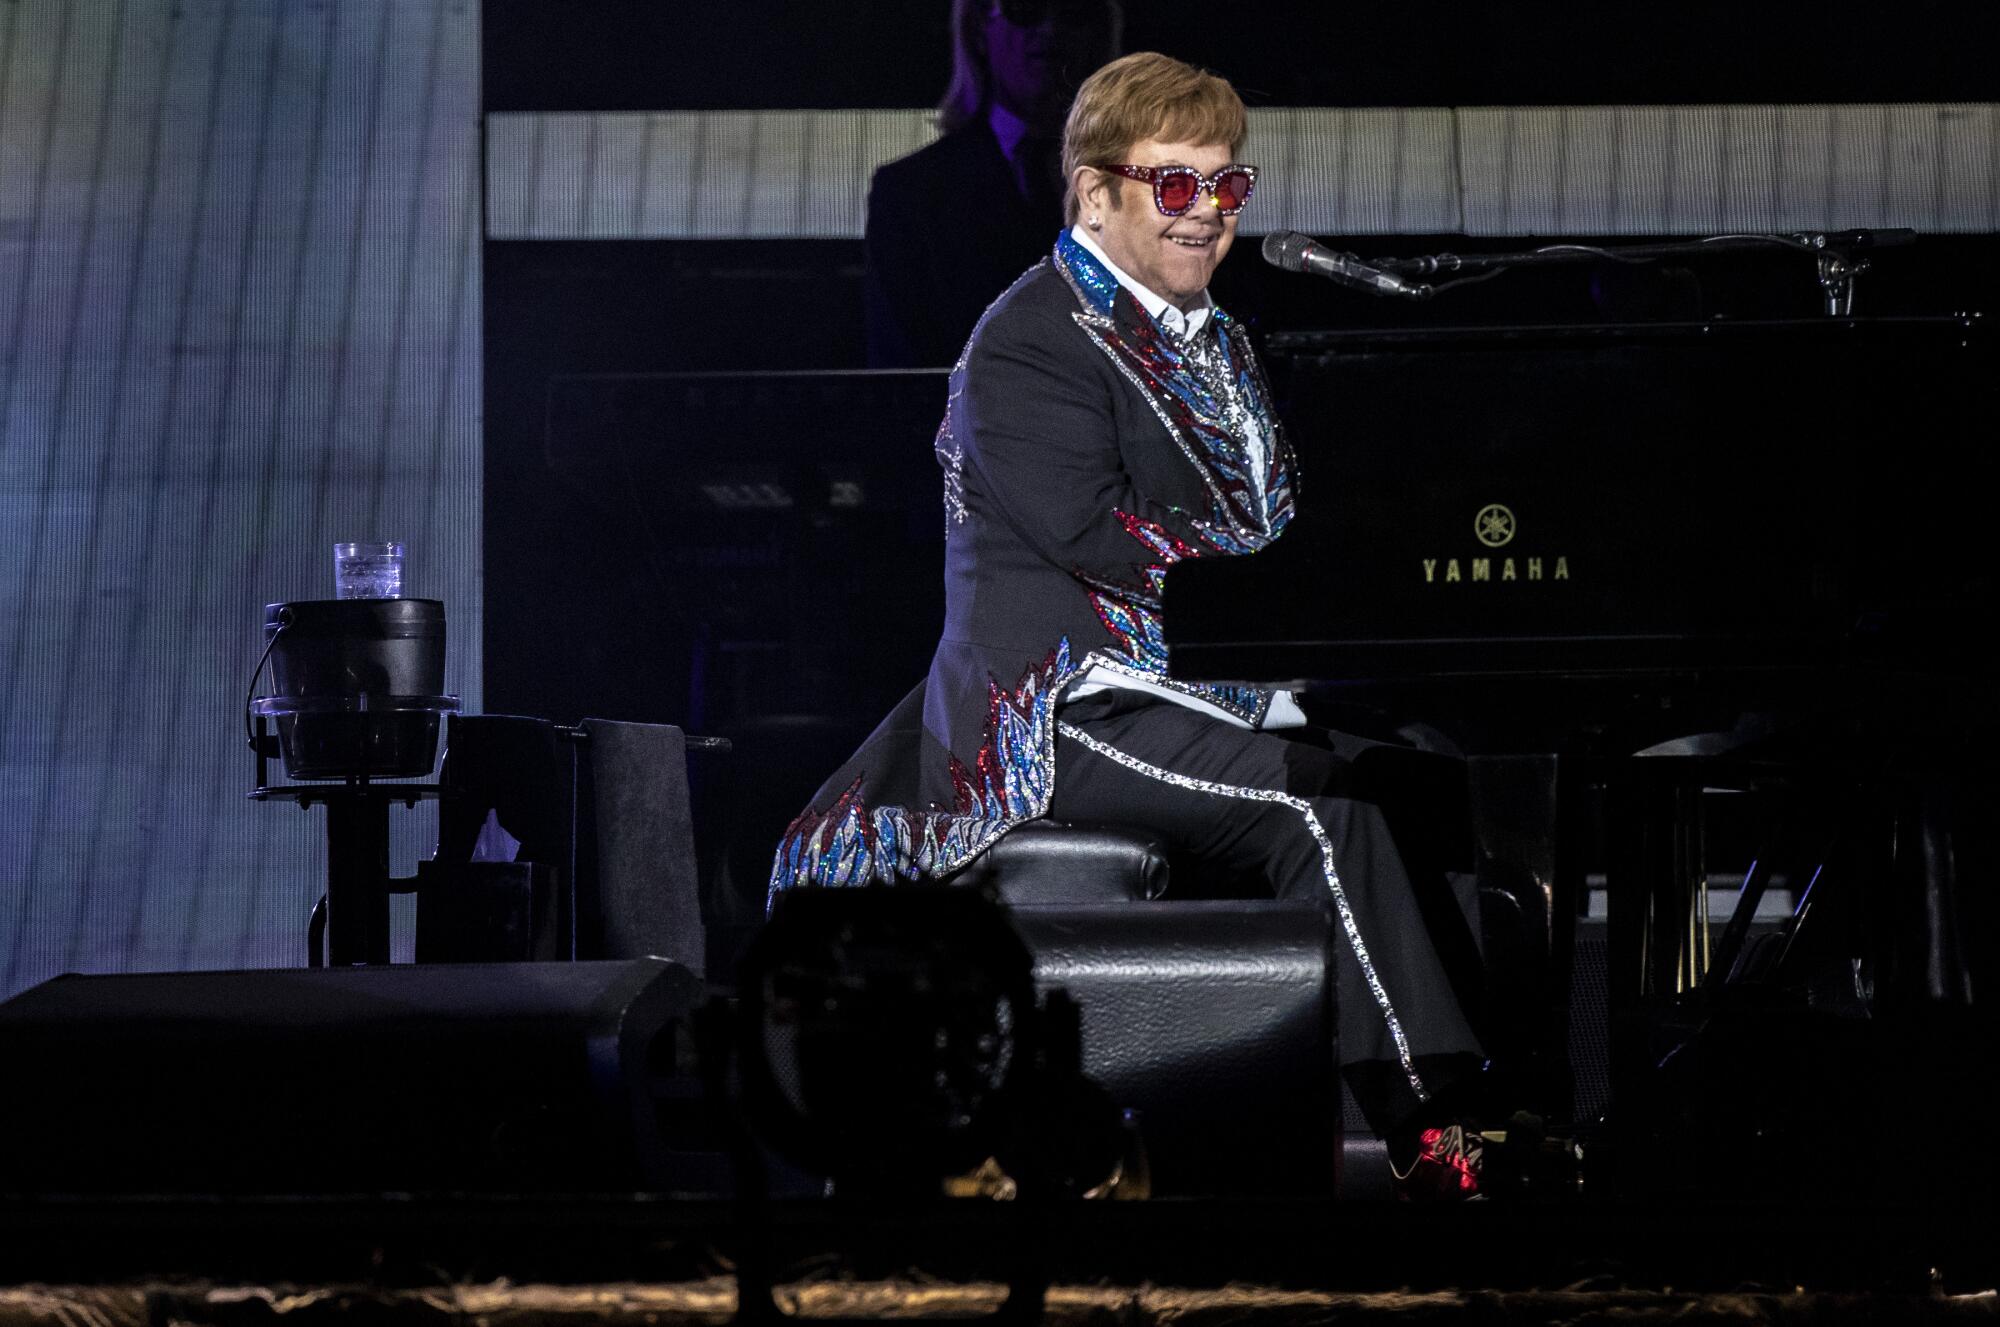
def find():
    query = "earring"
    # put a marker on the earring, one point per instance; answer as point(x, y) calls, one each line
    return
point(1097, 223)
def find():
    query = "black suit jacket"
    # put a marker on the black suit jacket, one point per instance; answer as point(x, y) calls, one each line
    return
point(1082, 456)
point(947, 231)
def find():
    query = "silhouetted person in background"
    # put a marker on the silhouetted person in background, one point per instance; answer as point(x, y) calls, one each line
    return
point(951, 225)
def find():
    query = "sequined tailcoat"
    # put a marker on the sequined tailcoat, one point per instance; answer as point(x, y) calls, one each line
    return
point(1084, 452)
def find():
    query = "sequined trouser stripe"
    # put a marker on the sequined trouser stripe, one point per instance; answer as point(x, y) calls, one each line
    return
point(1348, 925)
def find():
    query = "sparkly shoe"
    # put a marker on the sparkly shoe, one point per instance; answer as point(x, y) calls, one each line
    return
point(1446, 1169)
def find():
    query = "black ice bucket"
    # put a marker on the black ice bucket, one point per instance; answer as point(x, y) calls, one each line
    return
point(356, 686)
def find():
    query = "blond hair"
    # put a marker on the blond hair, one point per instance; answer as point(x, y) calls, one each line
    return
point(1145, 95)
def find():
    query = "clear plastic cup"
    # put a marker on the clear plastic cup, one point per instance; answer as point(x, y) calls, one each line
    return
point(368, 571)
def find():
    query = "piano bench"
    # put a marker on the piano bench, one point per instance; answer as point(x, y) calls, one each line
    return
point(1056, 862)
point(1201, 1015)
point(1214, 1023)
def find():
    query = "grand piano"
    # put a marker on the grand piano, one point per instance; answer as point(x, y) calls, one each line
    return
point(1637, 574)
point(1644, 501)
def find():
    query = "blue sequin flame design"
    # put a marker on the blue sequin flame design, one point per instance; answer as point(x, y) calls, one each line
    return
point(850, 843)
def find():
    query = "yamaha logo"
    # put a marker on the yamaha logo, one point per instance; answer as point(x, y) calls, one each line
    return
point(1494, 525)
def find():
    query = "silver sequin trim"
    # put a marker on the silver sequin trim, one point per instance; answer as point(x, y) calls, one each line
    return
point(1252, 718)
point(1217, 499)
point(951, 459)
point(1209, 366)
point(1278, 458)
point(950, 452)
point(1102, 329)
point(1318, 831)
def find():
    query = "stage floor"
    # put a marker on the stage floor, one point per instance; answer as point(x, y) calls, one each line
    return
point(713, 1301)
point(585, 1259)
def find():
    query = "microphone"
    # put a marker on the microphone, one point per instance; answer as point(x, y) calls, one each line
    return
point(1302, 253)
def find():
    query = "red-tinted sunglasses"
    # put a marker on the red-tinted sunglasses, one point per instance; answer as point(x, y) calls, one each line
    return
point(1178, 188)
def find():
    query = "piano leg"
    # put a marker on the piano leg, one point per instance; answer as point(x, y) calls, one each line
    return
point(1527, 905)
point(1658, 940)
point(1575, 819)
point(1930, 963)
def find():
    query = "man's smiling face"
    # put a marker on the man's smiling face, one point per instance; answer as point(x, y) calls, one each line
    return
point(1173, 257)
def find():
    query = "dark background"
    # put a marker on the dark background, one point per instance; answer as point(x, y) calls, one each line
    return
point(722, 54)
point(791, 629)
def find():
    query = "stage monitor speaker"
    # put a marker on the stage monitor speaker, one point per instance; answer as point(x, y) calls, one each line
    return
point(502, 1077)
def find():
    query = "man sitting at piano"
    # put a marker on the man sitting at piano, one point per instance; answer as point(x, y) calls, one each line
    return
point(1105, 421)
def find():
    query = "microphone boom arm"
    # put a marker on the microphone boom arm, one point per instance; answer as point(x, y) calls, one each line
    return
point(1838, 256)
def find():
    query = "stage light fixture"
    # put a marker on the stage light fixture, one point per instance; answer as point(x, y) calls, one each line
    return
point(891, 1038)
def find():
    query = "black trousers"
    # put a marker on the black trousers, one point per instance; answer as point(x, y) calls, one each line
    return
point(1290, 808)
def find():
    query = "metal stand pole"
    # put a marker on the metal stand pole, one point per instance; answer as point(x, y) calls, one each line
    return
point(357, 875)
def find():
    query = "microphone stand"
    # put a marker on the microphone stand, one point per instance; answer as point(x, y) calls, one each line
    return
point(1840, 257)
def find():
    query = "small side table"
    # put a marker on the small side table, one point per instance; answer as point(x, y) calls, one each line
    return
point(357, 819)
